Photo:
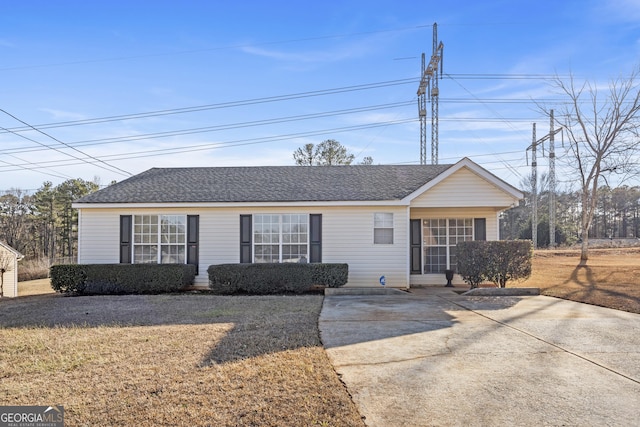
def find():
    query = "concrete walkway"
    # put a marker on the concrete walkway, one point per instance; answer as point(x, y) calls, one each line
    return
point(434, 358)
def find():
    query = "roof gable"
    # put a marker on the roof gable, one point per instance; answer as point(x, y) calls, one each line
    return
point(484, 184)
point(269, 184)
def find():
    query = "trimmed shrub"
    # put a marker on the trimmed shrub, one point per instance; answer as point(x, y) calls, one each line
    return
point(96, 279)
point(494, 261)
point(274, 278)
point(68, 278)
point(472, 262)
point(329, 275)
point(509, 260)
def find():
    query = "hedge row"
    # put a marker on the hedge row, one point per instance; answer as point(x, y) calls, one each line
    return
point(273, 278)
point(494, 261)
point(121, 278)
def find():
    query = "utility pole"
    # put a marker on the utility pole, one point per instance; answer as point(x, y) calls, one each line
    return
point(534, 190)
point(429, 87)
point(552, 184)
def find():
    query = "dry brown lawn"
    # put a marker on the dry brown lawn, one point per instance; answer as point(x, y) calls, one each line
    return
point(35, 287)
point(183, 360)
point(610, 278)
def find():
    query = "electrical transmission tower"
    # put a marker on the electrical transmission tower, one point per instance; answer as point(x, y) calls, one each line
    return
point(429, 87)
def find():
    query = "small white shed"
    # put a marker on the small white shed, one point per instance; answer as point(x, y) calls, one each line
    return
point(9, 258)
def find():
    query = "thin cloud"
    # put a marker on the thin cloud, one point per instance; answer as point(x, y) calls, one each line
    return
point(63, 115)
point(341, 52)
point(619, 10)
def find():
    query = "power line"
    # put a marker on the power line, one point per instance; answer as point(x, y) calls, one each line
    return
point(503, 76)
point(222, 127)
point(34, 168)
point(234, 143)
point(511, 169)
point(110, 167)
point(229, 104)
point(277, 98)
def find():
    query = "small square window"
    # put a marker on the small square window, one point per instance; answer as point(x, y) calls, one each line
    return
point(383, 228)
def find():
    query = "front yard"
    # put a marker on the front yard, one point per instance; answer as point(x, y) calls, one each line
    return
point(198, 359)
point(172, 360)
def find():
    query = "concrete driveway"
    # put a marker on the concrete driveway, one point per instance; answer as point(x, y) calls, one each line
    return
point(435, 358)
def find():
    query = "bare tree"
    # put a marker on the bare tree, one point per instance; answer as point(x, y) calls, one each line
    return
point(306, 156)
point(602, 132)
point(334, 153)
point(15, 207)
point(6, 265)
point(327, 153)
point(367, 160)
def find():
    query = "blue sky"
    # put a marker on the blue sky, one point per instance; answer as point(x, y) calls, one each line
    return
point(247, 82)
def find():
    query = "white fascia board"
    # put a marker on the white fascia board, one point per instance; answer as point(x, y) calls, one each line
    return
point(236, 204)
point(475, 168)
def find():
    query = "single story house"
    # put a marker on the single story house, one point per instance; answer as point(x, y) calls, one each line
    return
point(9, 258)
point(395, 225)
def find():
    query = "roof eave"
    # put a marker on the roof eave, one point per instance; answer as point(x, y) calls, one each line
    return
point(190, 205)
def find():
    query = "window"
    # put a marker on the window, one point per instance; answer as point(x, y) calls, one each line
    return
point(383, 228)
point(159, 239)
point(440, 237)
point(280, 238)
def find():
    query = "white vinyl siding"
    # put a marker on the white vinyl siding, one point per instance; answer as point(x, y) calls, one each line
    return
point(10, 284)
point(464, 189)
point(98, 236)
point(348, 237)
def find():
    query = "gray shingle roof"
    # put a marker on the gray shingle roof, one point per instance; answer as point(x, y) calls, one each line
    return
point(269, 184)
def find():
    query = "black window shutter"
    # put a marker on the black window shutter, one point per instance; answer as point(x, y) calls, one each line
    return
point(193, 232)
point(245, 238)
point(125, 239)
point(315, 238)
point(416, 247)
point(480, 228)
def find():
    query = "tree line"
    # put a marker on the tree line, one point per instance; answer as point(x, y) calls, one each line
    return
point(616, 215)
point(43, 224)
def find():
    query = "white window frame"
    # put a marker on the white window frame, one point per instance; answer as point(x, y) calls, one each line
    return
point(450, 239)
point(383, 228)
point(159, 238)
point(281, 238)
